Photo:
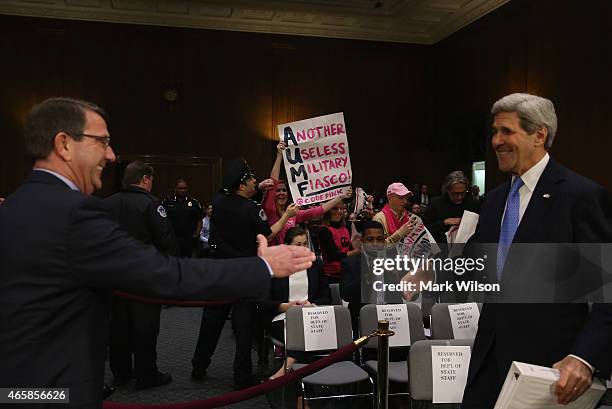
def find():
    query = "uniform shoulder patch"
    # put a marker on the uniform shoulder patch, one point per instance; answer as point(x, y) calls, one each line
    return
point(161, 211)
point(262, 215)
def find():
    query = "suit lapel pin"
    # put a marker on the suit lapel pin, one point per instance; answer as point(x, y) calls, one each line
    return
point(546, 195)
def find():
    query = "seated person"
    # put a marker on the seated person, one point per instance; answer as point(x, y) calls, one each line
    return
point(372, 241)
point(308, 287)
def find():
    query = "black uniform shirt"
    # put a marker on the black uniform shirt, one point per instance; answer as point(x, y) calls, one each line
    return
point(143, 217)
point(235, 223)
point(184, 214)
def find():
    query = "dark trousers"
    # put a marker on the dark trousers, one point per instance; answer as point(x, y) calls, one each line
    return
point(134, 328)
point(213, 320)
point(186, 245)
point(483, 390)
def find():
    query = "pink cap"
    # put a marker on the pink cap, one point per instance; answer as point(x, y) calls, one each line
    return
point(398, 189)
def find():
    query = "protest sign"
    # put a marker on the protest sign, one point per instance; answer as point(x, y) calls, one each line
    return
point(317, 158)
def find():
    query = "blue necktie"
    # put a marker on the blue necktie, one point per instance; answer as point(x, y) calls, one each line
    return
point(509, 224)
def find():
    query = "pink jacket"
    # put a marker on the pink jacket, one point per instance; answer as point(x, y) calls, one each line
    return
point(269, 206)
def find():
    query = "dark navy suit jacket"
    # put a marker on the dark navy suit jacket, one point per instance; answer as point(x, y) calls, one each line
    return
point(61, 253)
point(564, 208)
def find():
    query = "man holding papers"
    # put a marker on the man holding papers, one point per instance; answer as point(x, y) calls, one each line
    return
point(543, 202)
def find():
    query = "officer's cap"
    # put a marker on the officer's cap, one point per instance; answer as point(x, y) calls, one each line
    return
point(235, 173)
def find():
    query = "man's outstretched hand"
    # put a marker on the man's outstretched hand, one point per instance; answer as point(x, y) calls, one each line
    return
point(284, 260)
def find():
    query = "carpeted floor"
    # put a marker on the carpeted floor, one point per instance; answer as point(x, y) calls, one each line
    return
point(176, 343)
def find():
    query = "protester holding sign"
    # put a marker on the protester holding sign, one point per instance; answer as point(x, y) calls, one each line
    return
point(335, 241)
point(275, 201)
point(394, 217)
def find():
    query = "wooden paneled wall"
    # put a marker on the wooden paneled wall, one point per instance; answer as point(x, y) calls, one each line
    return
point(413, 113)
point(231, 90)
point(557, 49)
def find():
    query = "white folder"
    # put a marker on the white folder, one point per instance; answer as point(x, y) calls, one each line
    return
point(531, 387)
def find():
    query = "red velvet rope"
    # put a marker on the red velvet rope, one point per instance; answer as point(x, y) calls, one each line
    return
point(244, 394)
point(161, 301)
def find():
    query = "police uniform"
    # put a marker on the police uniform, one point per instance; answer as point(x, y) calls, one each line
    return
point(235, 224)
point(134, 325)
point(184, 214)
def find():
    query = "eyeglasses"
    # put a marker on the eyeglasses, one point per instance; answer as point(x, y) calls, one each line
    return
point(457, 193)
point(104, 140)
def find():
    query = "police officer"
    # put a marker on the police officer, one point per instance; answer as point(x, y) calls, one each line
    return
point(135, 325)
point(235, 223)
point(185, 214)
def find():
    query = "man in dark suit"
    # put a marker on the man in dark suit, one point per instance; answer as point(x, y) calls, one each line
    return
point(61, 252)
point(543, 203)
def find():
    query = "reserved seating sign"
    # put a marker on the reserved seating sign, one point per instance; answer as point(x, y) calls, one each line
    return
point(449, 366)
point(319, 328)
point(464, 319)
point(397, 315)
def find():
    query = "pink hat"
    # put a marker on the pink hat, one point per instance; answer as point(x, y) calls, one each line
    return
point(398, 189)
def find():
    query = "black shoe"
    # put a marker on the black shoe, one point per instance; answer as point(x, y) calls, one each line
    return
point(198, 373)
point(246, 382)
point(152, 381)
point(120, 381)
point(107, 391)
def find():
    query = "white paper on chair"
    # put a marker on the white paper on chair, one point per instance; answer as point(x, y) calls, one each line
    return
point(397, 315)
point(531, 387)
point(464, 320)
point(319, 328)
point(449, 366)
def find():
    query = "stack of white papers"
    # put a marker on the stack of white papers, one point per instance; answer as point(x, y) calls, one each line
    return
point(531, 387)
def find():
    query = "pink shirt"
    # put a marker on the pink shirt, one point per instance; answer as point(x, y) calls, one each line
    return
point(269, 206)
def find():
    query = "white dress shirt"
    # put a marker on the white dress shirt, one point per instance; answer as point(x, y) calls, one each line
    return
point(530, 180)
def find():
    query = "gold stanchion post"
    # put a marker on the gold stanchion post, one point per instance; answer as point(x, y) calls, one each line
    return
point(382, 384)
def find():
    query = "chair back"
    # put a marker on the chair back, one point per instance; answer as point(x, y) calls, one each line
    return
point(419, 366)
point(295, 327)
point(441, 326)
point(368, 322)
point(335, 294)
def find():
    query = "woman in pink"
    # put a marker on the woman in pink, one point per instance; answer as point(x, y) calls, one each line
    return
point(276, 198)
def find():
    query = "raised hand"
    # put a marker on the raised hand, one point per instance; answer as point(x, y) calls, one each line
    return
point(266, 185)
point(291, 210)
point(348, 193)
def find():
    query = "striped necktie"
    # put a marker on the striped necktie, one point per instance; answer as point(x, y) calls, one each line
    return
point(509, 225)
